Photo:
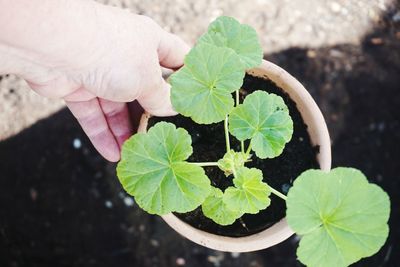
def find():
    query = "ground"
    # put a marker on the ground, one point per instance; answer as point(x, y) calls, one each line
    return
point(61, 204)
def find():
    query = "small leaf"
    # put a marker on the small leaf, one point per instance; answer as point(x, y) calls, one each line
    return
point(264, 118)
point(202, 88)
point(215, 209)
point(228, 32)
point(341, 216)
point(232, 161)
point(250, 194)
point(154, 171)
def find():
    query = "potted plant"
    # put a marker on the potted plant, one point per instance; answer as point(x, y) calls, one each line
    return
point(256, 134)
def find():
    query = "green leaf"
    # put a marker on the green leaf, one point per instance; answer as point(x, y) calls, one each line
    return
point(250, 194)
point(232, 161)
point(341, 216)
point(215, 209)
point(264, 118)
point(154, 171)
point(228, 32)
point(202, 88)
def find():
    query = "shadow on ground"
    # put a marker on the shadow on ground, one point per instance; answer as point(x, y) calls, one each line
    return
point(63, 206)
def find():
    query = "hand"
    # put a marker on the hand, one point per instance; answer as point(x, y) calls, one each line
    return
point(98, 60)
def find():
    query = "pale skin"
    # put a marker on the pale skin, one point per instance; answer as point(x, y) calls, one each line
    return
point(97, 58)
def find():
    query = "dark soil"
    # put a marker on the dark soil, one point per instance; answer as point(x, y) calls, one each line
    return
point(209, 145)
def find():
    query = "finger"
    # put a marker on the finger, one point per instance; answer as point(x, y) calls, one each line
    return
point(157, 101)
point(118, 119)
point(172, 50)
point(90, 116)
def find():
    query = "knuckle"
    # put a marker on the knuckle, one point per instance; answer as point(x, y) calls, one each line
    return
point(111, 109)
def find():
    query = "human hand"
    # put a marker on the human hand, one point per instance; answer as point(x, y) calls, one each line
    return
point(98, 60)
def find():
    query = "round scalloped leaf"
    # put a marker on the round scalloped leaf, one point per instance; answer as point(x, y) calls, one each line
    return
point(228, 32)
point(231, 161)
point(264, 118)
point(341, 217)
point(215, 209)
point(154, 171)
point(202, 88)
point(250, 194)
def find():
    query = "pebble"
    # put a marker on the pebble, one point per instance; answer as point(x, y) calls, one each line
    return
point(180, 261)
point(296, 238)
point(381, 126)
point(154, 243)
point(235, 255)
point(142, 228)
point(372, 126)
point(255, 263)
point(335, 53)
point(217, 259)
point(285, 188)
point(130, 229)
point(195, 137)
point(95, 192)
point(396, 17)
point(128, 201)
point(108, 204)
point(33, 194)
point(374, 16)
point(308, 28)
point(311, 54)
point(77, 143)
point(376, 41)
point(335, 7)
point(215, 13)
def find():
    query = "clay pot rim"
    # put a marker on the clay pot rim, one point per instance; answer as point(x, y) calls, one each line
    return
point(319, 135)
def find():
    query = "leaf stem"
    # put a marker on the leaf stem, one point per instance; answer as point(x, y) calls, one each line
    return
point(277, 193)
point(204, 164)
point(228, 146)
point(248, 150)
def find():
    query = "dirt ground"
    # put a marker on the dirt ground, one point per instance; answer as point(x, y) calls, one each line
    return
point(61, 204)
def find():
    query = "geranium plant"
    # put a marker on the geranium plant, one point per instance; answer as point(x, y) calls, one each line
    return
point(340, 217)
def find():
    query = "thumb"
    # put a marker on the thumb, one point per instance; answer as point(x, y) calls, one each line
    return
point(171, 50)
point(157, 101)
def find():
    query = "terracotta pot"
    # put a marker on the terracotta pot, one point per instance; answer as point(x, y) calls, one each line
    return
point(319, 135)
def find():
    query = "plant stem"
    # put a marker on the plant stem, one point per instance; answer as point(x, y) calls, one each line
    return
point(277, 193)
point(236, 104)
point(248, 150)
point(228, 146)
point(234, 172)
point(204, 164)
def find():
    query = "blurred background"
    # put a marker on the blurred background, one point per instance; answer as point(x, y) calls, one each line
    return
point(62, 205)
